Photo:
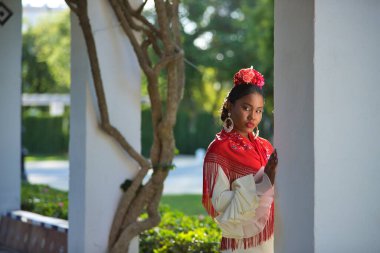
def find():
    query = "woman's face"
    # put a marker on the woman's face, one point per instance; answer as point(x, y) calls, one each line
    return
point(247, 112)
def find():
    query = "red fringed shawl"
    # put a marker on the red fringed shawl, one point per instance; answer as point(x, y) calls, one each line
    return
point(238, 157)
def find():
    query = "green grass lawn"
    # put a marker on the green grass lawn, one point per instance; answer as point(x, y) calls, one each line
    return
point(48, 201)
point(33, 158)
point(190, 204)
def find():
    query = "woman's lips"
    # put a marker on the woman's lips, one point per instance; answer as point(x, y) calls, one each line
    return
point(250, 125)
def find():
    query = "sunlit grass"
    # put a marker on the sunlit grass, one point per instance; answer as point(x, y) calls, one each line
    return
point(189, 204)
point(46, 197)
point(34, 158)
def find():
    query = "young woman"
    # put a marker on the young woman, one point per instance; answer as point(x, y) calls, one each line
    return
point(239, 171)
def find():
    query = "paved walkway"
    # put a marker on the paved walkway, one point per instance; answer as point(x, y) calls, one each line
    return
point(186, 178)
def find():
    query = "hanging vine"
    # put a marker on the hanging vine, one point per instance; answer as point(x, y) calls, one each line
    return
point(158, 49)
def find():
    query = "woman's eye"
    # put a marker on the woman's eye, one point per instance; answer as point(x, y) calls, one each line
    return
point(245, 108)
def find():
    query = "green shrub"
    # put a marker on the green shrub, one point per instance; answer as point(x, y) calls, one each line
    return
point(44, 200)
point(179, 233)
point(176, 233)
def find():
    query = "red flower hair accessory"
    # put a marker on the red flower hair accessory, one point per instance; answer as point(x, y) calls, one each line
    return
point(249, 76)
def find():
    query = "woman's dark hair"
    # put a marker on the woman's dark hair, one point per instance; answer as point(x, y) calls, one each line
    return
point(236, 93)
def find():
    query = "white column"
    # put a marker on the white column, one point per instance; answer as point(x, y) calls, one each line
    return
point(294, 125)
point(347, 123)
point(98, 166)
point(10, 107)
point(326, 125)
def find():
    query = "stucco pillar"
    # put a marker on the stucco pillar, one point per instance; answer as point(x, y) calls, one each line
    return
point(98, 166)
point(10, 104)
point(326, 125)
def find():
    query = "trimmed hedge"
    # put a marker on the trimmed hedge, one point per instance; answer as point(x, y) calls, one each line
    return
point(50, 135)
point(191, 131)
point(45, 134)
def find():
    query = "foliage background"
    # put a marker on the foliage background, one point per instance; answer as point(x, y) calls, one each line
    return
point(219, 38)
point(46, 54)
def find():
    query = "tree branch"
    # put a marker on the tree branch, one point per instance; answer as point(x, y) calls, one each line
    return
point(166, 60)
point(124, 205)
point(174, 73)
point(115, 133)
point(144, 46)
point(141, 8)
point(99, 90)
point(163, 21)
point(72, 5)
point(125, 224)
point(137, 14)
point(118, 10)
point(154, 94)
point(177, 38)
point(136, 227)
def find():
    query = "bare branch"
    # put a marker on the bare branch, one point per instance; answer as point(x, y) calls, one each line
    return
point(163, 21)
point(132, 37)
point(124, 205)
point(144, 47)
point(141, 8)
point(149, 29)
point(72, 5)
point(136, 227)
point(150, 189)
point(115, 133)
point(152, 78)
point(137, 14)
point(99, 90)
point(156, 49)
point(94, 62)
point(131, 231)
point(125, 224)
point(166, 60)
point(122, 221)
point(177, 38)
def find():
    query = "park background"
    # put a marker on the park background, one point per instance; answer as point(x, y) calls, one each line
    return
point(326, 66)
point(219, 37)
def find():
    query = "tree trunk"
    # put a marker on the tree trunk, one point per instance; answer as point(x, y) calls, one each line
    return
point(162, 39)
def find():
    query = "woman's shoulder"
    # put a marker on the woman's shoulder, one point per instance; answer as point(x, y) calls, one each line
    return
point(267, 145)
point(218, 143)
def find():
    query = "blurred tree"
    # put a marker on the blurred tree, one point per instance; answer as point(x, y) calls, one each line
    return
point(222, 36)
point(46, 55)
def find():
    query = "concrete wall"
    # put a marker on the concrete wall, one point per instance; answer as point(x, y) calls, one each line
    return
point(97, 164)
point(294, 126)
point(347, 123)
point(10, 108)
point(326, 123)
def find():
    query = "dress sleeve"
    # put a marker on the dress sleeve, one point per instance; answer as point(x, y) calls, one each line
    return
point(244, 202)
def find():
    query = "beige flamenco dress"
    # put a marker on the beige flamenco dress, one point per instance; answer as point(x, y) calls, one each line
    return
point(243, 209)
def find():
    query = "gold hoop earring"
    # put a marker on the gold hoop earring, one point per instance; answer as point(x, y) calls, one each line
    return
point(257, 133)
point(228, 127)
